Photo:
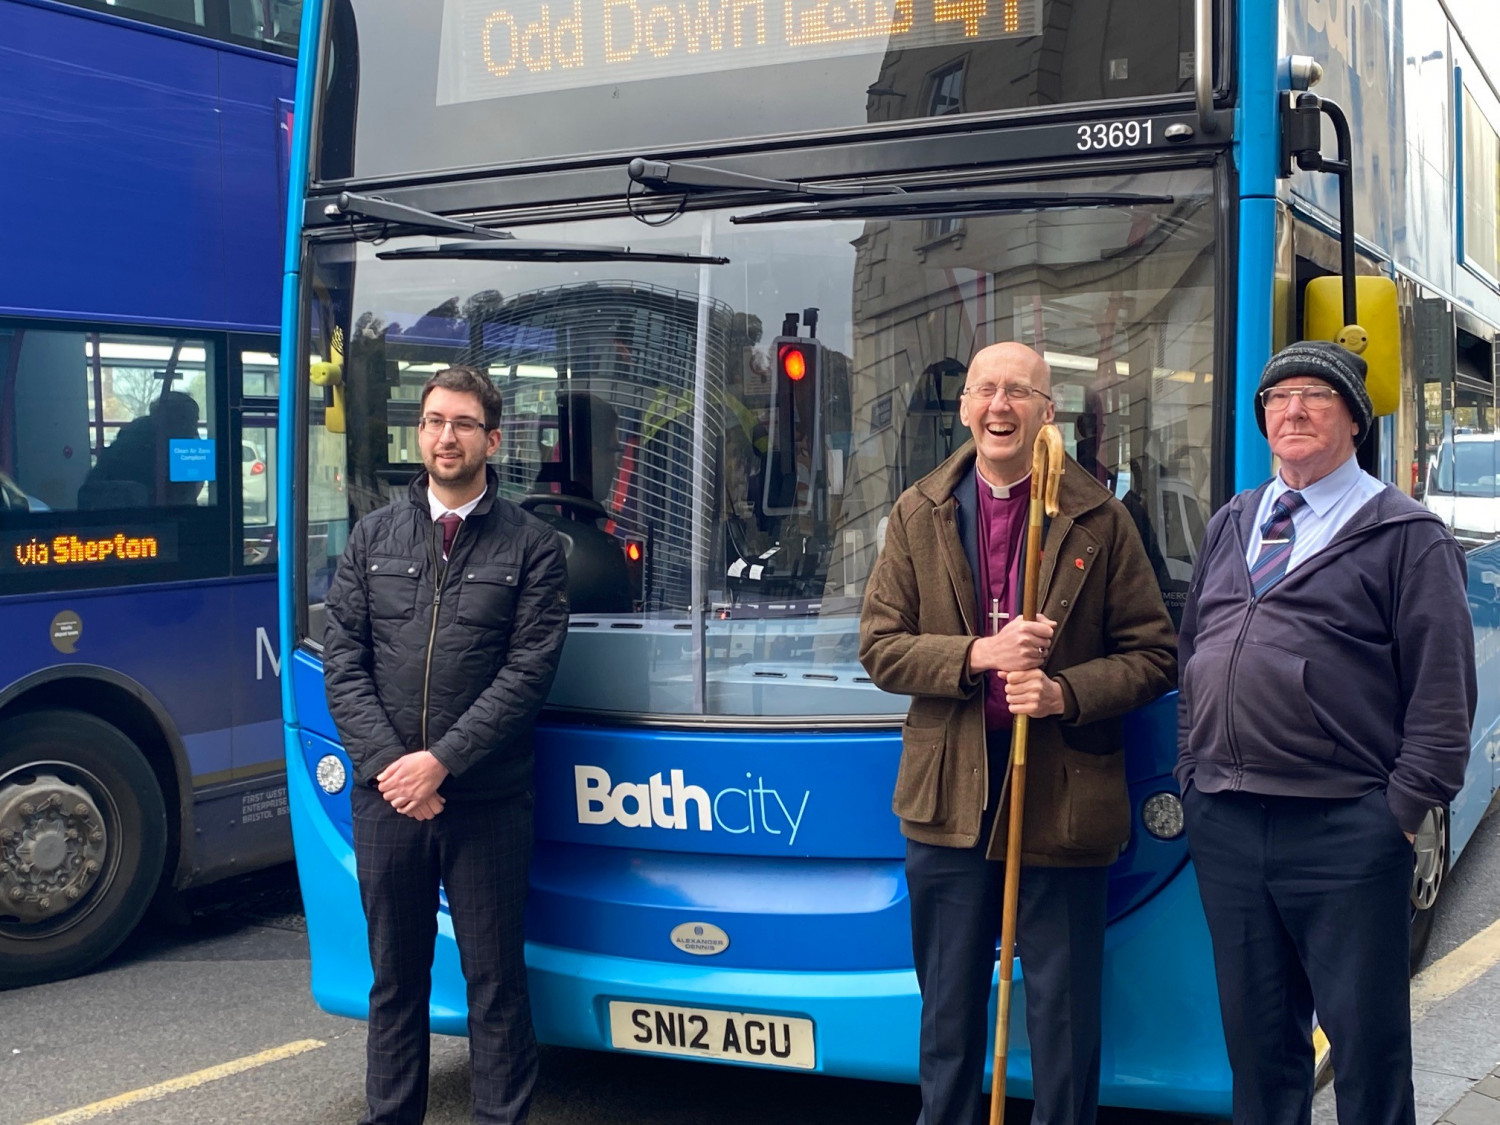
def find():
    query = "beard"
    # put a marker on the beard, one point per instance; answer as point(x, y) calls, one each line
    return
point(466, 471)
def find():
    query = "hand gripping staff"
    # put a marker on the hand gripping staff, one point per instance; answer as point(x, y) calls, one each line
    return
point(1046, 476)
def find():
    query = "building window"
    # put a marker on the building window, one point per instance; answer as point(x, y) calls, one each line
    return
point(1479, 187)
point(947, 91)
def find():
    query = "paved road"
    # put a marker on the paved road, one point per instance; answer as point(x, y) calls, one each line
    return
point(230, 983)
point(233, 983)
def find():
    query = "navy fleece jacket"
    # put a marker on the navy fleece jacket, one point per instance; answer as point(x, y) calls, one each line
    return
point(1353, 673)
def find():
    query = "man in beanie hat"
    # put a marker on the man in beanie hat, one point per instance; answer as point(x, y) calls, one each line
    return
point(1327, 689)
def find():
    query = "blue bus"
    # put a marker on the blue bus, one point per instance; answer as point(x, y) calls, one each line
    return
point(146, 146)
point(726, 262)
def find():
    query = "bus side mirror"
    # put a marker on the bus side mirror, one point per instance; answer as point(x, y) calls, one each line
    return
point(1379, 324)
point(330, 375)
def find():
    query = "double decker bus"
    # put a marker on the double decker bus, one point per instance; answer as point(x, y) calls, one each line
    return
point(146, 145)
point(727, 261)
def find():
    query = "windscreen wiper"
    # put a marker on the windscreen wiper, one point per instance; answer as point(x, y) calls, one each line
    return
point(350, 206)
point(526, 250)
point(676, 179)
point(945, 204)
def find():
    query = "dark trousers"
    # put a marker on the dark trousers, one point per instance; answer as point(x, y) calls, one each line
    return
point(957, 897)
point(481, 852)
point(1308, 907)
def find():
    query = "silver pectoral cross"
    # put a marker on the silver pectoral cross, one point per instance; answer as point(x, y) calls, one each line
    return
point(997, 618)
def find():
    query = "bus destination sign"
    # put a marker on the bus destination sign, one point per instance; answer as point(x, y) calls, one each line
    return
point(504, 48)
point(93, 549)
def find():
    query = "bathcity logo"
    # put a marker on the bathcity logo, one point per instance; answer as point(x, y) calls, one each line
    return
point(672, 803)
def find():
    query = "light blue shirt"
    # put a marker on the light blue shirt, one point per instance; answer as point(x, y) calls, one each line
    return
point(1330, 503)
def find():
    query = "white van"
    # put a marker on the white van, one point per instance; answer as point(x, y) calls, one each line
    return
point(1462, 486)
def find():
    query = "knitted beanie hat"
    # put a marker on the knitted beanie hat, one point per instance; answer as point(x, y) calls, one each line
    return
point(1334, 364)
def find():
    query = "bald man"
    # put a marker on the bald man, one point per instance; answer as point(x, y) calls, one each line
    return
point(942, 624)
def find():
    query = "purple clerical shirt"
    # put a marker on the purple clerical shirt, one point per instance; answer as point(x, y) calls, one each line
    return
point(1002, 520)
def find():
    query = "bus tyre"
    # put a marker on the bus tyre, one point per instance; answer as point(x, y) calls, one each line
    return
point(1429, 866)
point(83, 838)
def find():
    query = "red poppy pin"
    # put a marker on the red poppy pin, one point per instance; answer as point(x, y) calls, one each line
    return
point(1078, 563)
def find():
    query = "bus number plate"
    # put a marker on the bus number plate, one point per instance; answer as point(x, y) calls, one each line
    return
point(711, 1034)
point(1107, 136)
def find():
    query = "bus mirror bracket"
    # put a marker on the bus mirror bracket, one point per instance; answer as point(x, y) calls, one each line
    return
point(1302, 143)
point(1330, 315)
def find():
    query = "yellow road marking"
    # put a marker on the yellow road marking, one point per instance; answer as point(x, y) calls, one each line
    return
point(177, 1085)
point(1454, 970)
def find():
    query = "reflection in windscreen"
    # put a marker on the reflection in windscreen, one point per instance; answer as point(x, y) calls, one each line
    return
point(421, 87)
point(653, 417)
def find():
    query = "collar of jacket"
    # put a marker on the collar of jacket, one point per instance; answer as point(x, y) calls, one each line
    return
point(417, 491)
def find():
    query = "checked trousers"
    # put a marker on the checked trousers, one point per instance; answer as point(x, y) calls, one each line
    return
point(481, 852)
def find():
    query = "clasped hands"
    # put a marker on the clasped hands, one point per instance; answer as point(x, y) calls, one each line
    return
point(410, 784)
point(1016, 653)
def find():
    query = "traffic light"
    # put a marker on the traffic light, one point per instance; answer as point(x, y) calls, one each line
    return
point(795, 438)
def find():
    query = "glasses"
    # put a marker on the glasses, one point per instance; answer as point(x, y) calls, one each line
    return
point(1014, 392)
point(1314, 399)
point(462, 427)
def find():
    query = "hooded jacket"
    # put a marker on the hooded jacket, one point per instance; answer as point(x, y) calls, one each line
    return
point(1355, 672)
point(453, 656)
point(1112, 652)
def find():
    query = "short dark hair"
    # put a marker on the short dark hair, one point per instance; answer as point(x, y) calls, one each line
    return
point(469, 381)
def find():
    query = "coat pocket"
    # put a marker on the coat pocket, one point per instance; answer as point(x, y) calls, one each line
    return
point(1274, 724)
point(487, 597)
point(919, 777)
point(1096, 803)
point(393, 587)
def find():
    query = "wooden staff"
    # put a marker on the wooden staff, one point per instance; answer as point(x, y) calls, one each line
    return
point(1046, 476)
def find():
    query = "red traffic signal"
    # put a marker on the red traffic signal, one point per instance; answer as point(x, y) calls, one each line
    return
point(791, 361)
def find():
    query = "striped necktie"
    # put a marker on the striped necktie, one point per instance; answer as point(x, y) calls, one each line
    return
point(1277, 535)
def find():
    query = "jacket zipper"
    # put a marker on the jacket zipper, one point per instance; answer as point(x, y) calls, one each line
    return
point(1234, 660)
point(437, 601)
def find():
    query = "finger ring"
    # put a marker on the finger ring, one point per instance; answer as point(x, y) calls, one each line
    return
point(1040, 651)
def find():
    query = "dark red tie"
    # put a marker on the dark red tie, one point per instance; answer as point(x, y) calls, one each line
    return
point(449, 522)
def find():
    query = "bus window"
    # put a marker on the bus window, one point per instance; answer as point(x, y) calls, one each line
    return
point(258, 489)
point(181, 13)
point(261, 374)
point(259, 377)
point(1462, 479)
point(107, 421)
point(266, 21)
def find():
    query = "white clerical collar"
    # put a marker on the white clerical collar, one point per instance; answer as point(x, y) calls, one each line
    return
point(438, 508)
point(1001, 491)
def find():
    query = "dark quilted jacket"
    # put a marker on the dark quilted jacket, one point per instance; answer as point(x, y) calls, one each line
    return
point(453, 656)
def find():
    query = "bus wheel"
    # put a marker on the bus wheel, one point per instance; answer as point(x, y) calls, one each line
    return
point(83, 838)
point(1429, 865)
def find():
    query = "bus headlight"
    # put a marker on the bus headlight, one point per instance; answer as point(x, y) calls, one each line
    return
point(1161, 813)
point(332, 775)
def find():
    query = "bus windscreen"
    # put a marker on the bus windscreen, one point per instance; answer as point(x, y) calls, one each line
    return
point(516, 82)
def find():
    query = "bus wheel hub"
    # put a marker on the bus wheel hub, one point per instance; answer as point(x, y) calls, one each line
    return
point(52, 848)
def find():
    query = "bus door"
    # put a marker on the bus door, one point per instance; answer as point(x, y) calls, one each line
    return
point(256, 745)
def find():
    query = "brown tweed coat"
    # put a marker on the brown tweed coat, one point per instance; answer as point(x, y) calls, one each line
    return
point(1113, 651)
